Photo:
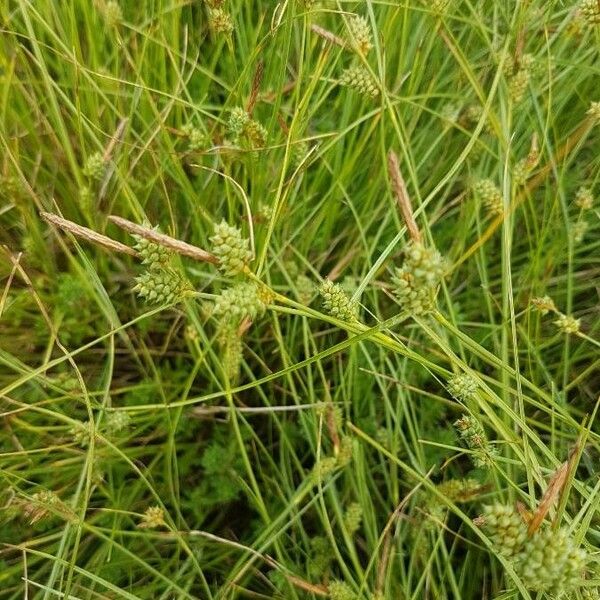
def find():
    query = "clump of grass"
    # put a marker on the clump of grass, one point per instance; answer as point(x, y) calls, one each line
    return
point(247, 431)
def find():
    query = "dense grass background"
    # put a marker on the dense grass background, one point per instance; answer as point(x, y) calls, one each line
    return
point(232, 463)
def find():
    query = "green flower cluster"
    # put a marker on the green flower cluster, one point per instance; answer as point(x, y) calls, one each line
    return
point(359, 79)
point(337, 303)
point(154, 256)
point(246, 130)
point(472, 434)
point(546, 561)
point(590, 11)
point(490, 196)
point(239, 301)
point(417, 281)
point(162, 286)
point(462, 387)
point(360, 36)
point(232, 250)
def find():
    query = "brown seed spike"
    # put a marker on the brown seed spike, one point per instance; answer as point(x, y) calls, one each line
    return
point(87, 234)
point(167, 241)
point(402, 197)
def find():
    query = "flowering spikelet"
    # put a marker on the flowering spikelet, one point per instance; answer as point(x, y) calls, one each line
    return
point(417, 281)
point(238, 120)
point(220, 21)
point(117, 421)
point(544, 304)
point(239, 301)
point(524, 167)
point(153, 517)
point(518, 84)
point(360, 34)
point(490, 195)
point(95, 166)
point(154, 256)
point(112, 13)
point(460, 490)
point(40, 505)
point(567, 323)
point(462, 387)
point(232, 250)
point(256, 134)
point(80, 432)
point(244, 128)
point(353, 517)
point(337, 303)
point(339, 590)
point(590, 11)
point(505, 528)
point(584, 198)
point(472, 434)
point(305, 289)
point(359, 79)
point(196, 139)
point(549, 561)
point(578, 230)
point(162, 286)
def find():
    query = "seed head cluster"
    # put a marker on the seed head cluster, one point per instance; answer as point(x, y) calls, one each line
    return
point(590, 11)
point(547, 560)
point(239, 301)
point(162, 286)
point(232, 250)
point(472, 434)
point(359, 79)
point(417, 280)
point(462, 387)
point(360, 36)
point(95, 166)
point(337, 303)
point(245, 130)
point(490, 196)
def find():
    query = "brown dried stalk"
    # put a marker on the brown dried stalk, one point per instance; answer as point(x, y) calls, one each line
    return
point(87, 234)
point(258, 76)
point(327, 35)
point(167, 241)
point(402, 197)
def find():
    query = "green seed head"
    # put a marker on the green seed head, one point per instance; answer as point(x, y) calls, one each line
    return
point(549, 561)
point(462, 387)
point(337, 303)
point(472, 434)
point(239, 301)
point(567, 323)
point(584, 198)
point(238, 119)
point(339, 590)
point(360, 80)
point(117, 421)
point(594, 111)
point(544, 304)
point(353, 517)
point(154, 256)
point(590, 11)
point(220, 21)
point(95, 166)
point(489, 194)
point(417, 281)
point(360, 34)
point(505, 528)
point(232, 250)
point(162, 286)
point(112, 13)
